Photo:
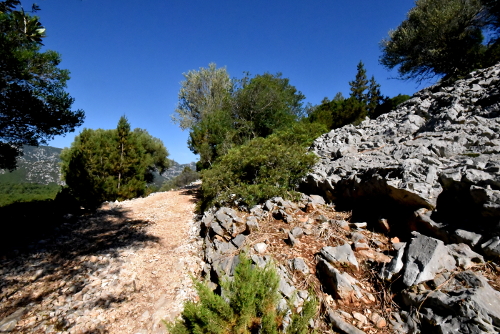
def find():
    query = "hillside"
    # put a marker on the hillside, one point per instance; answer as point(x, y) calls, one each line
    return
point(41, 165)
point(37, 165)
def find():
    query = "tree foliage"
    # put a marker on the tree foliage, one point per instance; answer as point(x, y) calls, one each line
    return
point(389, 104)
point(365, 97)
point(248, 306)
point(26, 192)
point(107, 165)
point(202, 92)
point(34, 106)
point(236, 112)
point(442, 38)
point(261, 168)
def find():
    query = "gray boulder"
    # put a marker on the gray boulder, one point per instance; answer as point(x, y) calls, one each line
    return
point(492, 247)
point(464, 256)
point(340, 325)
point(465, 303)
point(425, 257)
point(341, 285)
point(469, 238)
point(298, 264)
point(396, 263)
point(343, 254)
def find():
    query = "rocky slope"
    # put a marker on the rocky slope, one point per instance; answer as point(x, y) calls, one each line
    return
point(36, 165)
point(440, 151)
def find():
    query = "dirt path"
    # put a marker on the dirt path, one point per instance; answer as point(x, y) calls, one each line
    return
point(121, 270)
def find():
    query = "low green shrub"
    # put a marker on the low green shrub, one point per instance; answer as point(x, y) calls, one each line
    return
point(248, 305)
point(262, 168)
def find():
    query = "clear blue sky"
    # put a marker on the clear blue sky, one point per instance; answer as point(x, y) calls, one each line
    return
point(127, 57)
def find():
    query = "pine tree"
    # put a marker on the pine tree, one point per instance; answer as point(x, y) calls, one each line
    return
point(107, 165)
point(359, 85)
point(374, 96)
point(129, 173)
point(355, 107)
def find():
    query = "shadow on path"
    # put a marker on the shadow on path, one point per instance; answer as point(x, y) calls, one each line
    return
point(49, 262)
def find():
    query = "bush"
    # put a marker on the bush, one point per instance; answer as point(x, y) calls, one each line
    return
point(249, 304)
point(261, 169)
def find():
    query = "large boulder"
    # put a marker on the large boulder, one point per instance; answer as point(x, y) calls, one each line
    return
point(464, 303)
point(441, 147)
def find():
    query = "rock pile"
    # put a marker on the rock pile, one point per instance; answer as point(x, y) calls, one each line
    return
point(440, 151)
point(436, 161)
point(440, 287)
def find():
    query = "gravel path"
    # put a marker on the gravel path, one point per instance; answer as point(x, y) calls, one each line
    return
point(121, 270)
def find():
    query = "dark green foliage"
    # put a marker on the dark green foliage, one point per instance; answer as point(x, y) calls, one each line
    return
point(186, 177)
point(374, 98)
point(360, 84)
point(389, 104)
point(261, 168)
point(107, 165)
point(212, 137)
point(245, 109)
point(26, 192)
point(250, 306)
point(364, 99)
point(442, 38)
point(264, 104)
point(34, 106)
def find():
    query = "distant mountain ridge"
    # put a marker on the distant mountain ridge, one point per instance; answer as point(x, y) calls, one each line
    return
point(41, 165)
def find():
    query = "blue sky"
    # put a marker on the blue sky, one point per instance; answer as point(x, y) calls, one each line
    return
point(127, 57)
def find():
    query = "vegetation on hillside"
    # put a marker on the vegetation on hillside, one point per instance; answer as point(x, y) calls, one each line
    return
point(26, 192)
point(248, 306)
point(222, 113)
point(261, 168)
point(186, 177)
point(364, 100)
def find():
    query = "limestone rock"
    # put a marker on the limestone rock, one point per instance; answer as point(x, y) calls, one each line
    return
point(470, 238)
point(343, 254)
point(444, 143)
point(339, 324)
point(342, 285)
point(396, 263)
point(464, 256)
point(492, 247)
point(425, 257)
point(298, 264)
point(466, 303)
point(260, 247)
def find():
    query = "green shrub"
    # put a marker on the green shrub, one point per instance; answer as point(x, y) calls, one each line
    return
point(249, 304)
point(262, 168)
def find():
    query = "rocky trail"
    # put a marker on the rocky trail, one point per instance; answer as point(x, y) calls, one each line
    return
point(120, 270)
